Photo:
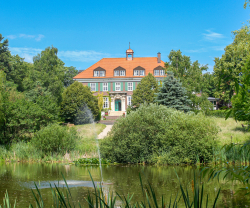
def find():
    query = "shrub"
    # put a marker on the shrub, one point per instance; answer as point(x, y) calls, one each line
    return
point(219, 114)
point(55, 139)
point(156, 133)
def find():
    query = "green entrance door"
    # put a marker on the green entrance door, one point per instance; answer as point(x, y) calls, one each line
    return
point(118, 105)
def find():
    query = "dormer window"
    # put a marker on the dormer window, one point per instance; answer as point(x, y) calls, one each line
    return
point(119, 71)
point(159, 71)
point(99, 72)
point(139, 71)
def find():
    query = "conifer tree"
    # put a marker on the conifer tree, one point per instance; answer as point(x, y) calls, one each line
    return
point(172, 94)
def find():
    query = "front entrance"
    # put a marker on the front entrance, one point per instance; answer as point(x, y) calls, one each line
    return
point(118, 106)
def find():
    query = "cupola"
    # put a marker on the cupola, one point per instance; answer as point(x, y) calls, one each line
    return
point(129, 54)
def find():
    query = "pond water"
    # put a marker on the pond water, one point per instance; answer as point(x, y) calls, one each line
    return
point(19, 178)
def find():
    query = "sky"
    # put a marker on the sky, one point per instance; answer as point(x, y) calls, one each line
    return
point(86, 31)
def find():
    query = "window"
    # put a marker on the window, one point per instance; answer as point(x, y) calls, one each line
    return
point(116, 73)
point(129, 100)
point(161, 72)
point(105, 102)
point(122, 73)
point(102, 73)
point(92, 86)
point(117, 86)
point(136, 72)
point(130, 86)
point(156, 72)
point(139, 71)
point(96, 73)
point(99, 72)
point(105, 87)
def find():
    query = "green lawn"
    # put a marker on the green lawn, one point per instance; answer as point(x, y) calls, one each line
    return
point(88, 133)
point(230, 128)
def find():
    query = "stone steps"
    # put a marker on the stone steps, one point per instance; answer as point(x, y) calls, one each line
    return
point(116, 113)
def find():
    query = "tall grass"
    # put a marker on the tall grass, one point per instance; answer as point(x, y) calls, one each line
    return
point(101, 199)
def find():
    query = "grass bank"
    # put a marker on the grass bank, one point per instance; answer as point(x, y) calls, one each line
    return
point(26, 151)
point(231, 131)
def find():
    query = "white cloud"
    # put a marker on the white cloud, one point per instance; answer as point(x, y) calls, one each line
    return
point(218, 48)
point(39, 37)
point(11, 36)
point(210, 36)
point(81, 56)
point(26, 53)
point(35, 37)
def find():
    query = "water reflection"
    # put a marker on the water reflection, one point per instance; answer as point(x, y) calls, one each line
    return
point(19, 178)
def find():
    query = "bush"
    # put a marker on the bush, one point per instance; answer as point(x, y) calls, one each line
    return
point(155, 133)
point(55, 139)
point(219, 114)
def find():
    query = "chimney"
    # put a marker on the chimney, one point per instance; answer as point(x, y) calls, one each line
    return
point(159, 57)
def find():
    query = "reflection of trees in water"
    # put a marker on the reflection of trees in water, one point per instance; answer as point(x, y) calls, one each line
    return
point(123, 178)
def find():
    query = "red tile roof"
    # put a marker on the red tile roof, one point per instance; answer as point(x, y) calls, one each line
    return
point(109, 64)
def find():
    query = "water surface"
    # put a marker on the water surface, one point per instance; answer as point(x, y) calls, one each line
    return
point(19, 179)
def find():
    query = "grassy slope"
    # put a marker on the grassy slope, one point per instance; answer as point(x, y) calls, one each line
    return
point(88, 132)
point(230, 128)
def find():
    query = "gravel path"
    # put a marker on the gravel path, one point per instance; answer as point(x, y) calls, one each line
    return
point(104, 132)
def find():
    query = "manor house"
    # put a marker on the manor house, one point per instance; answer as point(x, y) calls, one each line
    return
point(118, 77)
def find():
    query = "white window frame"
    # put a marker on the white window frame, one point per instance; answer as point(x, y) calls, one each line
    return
point(116, 73)
point(96, 73)
point(102, 73)
point(129, 99)
point(93, 86)
point(105, 102)
point(136, 72)
point(105, 86)
point(142, 72)
point(117, 86)
point(130, 86)
point(156, 72)
point(161, 72)
point(122, 73)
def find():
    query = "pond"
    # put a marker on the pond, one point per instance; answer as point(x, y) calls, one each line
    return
point(19, 178)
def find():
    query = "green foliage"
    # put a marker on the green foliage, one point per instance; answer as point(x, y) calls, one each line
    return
point(156, 133)
point(70, 72)
point(55, 139)
point(172, 94)
point(91, 161)
point(145, 91)
point(189, 74)
point(78, 103)
point(219, 113)
point(208, 85)
point(228, 68)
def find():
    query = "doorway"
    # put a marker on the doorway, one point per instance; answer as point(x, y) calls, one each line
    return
point(118, 106)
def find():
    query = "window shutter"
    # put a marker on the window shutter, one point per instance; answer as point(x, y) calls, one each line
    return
point(109, 87)
point(121, 86)
point(126, 86)
point(101, 87)
point(133, 85)
point(88, 84)
point(113, 86)
point(96, 86)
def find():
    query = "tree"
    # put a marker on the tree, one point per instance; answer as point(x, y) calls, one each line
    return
point(49, 70)
point(189, 74)
point(208, 84)
point(172, 94)
point(76, 99)
point(227, 69)
point(5, 56)
point(70, 72)
point(145, 91)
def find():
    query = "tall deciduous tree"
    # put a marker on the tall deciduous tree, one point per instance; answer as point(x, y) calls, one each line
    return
point(75, 99)
point(145, 91)
point(172, 94)
point(50, 72)
point(189, 73)
point(227, 69)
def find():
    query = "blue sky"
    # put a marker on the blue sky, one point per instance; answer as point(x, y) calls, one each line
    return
point(86, 31)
